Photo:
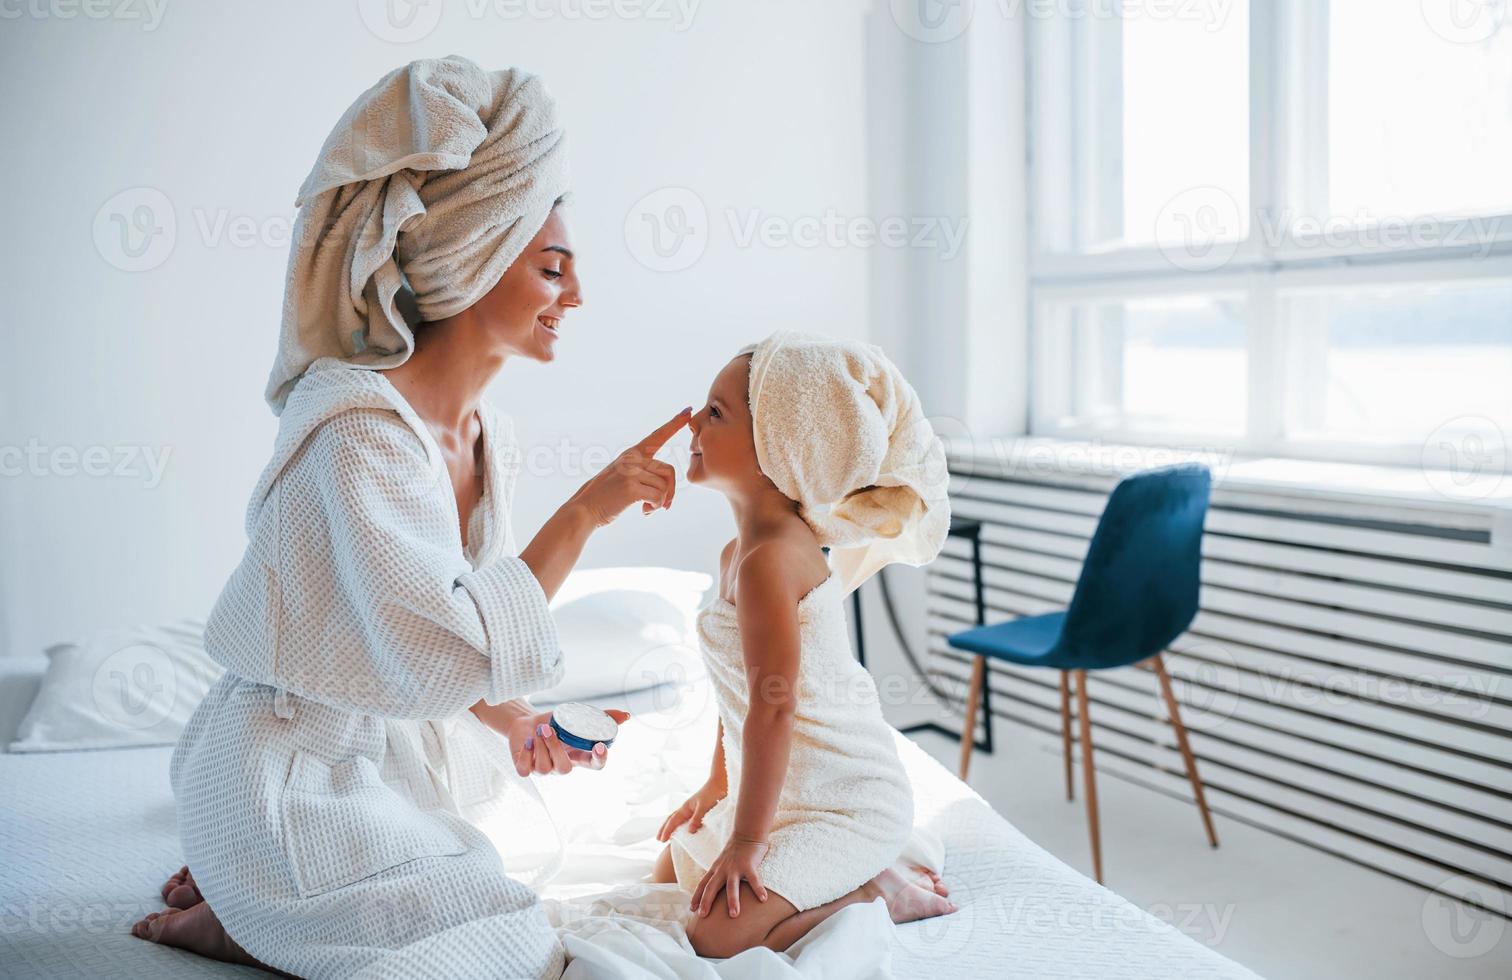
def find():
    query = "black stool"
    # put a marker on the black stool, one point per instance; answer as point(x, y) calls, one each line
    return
point(960, 527)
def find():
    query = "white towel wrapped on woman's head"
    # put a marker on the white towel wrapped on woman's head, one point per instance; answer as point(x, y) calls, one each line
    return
point(430, 185)
point(840, 431)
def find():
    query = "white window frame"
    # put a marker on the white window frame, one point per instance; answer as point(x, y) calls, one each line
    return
point(1284, 179)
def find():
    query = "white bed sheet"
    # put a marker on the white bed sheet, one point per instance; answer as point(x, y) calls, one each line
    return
point(87, 837)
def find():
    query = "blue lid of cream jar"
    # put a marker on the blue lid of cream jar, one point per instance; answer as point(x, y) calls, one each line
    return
point(582, 726)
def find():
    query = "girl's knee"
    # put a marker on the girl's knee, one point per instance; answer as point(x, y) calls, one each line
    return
point(662, 872)
point(718, 936)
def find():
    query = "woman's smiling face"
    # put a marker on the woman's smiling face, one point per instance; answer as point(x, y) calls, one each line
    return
point(526, 308)
point(723, 450)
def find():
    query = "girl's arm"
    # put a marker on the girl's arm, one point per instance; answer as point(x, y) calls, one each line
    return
point(767, 611)
point(766, 608)
point(714, 789)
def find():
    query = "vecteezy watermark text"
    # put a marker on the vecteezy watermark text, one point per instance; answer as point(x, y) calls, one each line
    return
point(148, 12)
point(408, 21)
point(146, 463)
point(669, 229)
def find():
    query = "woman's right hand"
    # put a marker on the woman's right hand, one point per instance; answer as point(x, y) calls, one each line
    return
point(692, 812)
point(635, 475)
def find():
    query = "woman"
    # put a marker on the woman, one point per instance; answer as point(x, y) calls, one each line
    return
point(380, 633)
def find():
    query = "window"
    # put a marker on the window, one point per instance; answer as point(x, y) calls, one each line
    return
point(1284, 226)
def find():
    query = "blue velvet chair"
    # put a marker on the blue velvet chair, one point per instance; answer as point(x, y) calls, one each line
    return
point(1137, 592)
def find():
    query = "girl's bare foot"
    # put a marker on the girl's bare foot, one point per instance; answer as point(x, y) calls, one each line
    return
point(180, 891)
point(196, 929)
point(909, 901)
point(924, 877)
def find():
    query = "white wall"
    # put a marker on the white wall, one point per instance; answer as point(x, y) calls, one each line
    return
point(786, 111)
point(222, 107)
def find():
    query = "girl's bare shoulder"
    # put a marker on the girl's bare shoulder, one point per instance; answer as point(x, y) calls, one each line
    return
point(784, 565)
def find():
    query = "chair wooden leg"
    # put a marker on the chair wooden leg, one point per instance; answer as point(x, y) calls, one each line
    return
point(973, 698)
point(1088, 779)
point(1065, 693)
point(1186, 749)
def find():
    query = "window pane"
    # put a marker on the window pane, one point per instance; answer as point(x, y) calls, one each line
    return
point(1394, 365)
point(1163, 364)
point(1159, 150)
point(1420, 112)
point(1185, 123)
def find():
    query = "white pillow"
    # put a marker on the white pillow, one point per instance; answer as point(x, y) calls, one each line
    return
point(624, 630)
point(123, 687)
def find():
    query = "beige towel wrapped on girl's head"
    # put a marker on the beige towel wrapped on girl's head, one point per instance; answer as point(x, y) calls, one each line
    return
point(841, 431)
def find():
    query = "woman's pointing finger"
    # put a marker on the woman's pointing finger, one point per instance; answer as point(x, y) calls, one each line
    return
point(652, 443)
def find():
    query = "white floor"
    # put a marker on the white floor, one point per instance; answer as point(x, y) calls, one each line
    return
point(1283, 910)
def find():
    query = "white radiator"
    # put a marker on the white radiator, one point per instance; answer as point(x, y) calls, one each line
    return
point(1345, 682)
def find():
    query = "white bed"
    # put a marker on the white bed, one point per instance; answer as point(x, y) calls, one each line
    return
point(87, 837)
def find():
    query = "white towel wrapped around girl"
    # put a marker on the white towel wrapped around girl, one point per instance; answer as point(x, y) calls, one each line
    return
point(817, 443)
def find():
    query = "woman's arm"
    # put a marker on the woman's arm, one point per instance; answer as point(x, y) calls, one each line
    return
point(558, 545)
point(363, 552)
point(634, 476)
point(555, 550)
point(532, 741)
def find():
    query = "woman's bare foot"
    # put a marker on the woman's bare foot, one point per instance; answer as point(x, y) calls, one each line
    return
point(196, 929)
point(180, 891)
point(909, 901)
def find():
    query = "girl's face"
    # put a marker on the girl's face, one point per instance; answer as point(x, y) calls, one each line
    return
point(723, 450)
point(526, 308)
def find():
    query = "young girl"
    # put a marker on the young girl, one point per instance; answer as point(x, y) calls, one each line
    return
point(815, 442)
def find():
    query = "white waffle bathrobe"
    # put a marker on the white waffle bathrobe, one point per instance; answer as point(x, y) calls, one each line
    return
point(324, 783)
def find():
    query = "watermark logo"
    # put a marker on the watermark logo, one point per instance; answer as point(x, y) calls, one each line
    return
point(933, 21)
point(668, 229)
point(135, 687)
point(1465, 458)
point(400, 21)
point(945, 935)
point(136, 229)
point(1461, 930)
point(1464, 21)
point(1199, 229)
point(1201, 691)
point(679, 690)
